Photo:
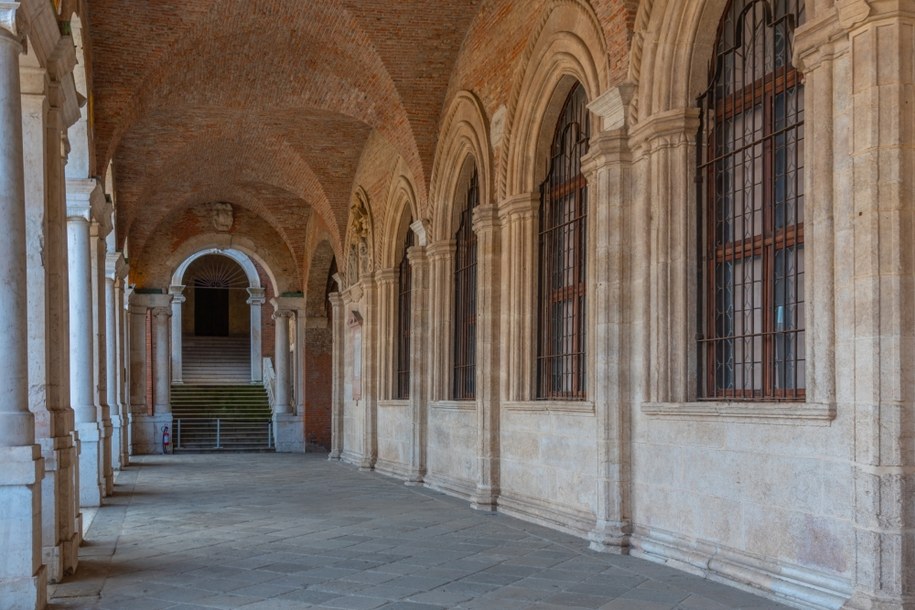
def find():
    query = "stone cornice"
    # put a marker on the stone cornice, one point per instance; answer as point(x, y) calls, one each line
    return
point(139, 303)
point(421, 229)
point(608, 148)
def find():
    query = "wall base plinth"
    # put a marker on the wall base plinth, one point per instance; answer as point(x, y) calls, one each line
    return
point(91, 486)
point(610, 537)
point(289, 433)
point(23, 584)
point(147, 433)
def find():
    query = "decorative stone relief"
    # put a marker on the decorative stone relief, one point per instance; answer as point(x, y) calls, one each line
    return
point(360, 238)
point(221, 215)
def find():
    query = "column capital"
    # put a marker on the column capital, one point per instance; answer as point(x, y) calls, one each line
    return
point(292, 304)
point(85, 199)
point(441, 249)
point(177, 294)
point(336, 300)
point(283, 314)
point(525, 205)
point(386, 276)
point(417, 256)
point(162, 312)
point(665, 129)
point(485, 219)
point(115, 265)
point(13, 27)
point(256, 296)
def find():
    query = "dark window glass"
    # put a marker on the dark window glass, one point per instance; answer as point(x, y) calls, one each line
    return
point(465, 299)
point(405, 287)
point(751, 167)
point(563, 224)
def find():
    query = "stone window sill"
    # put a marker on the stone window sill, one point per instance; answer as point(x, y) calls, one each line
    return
point(580, 407)
point(455, 405)
point(785, 413)
point(393, 403)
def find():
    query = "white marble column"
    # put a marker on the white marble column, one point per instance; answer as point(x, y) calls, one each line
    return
point(337, 381)
point(142, 430)
point(123, 295)
point(112, 262)
point(82, 196)
point(281, 362)
point(22, 576)
point(99, 229)
point(120, 404)
point(288, 425)
point(256, 300)
point(178, 300)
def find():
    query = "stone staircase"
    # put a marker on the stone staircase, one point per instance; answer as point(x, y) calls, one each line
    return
point(221, 417)
point(216, 360)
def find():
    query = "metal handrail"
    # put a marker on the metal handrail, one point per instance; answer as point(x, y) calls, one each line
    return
point(187, 426)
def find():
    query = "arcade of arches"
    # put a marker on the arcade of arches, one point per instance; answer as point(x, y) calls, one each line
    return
point(639, 270)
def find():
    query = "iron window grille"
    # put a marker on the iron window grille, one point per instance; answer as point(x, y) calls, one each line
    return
point(751, 209)
point(465, 299)
point(404, 309)
point(561, 372)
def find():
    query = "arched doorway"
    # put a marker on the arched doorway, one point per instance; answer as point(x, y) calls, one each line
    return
point(217, 290)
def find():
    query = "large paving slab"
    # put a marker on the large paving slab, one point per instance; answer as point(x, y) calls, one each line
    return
point(277, 531)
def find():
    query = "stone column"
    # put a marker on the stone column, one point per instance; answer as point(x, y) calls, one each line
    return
point(82, 196)
point(519, 217)
point(387, 285)
point(121, 363)
point(141, 435)
point(178, 300)
point(256, 301)
point(859, 61)
point(288, 425)
point(488, 373)
point(113, 261)
point(23, 579)
point(441, 311)
point(339, 330)
point(419, 358)
point(99, 229)
point(281, 392)
point(608, 168)
point(370, 351)
point(162, 404)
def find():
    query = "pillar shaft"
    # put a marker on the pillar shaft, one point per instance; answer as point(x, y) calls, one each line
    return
point(162, 385)
point(256, 301)
point(80, 320)
point(419, 351)
point(22, 577)
point(178, 300)
point(281, 387)
point(337, 377)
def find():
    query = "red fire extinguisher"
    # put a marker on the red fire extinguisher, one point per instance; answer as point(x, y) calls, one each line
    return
point(166, 440)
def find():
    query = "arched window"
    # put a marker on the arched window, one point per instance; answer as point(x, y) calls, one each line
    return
point(563, 213)
point(751, 208)
point(465, 299)
point(404, 311)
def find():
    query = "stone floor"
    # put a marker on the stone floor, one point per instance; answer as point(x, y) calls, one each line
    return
point(291, 531)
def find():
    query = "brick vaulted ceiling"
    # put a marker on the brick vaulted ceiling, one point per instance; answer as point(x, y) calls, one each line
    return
point(265, 103)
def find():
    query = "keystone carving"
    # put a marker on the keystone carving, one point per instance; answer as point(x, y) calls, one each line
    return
point(221, 215)
point(360, 257)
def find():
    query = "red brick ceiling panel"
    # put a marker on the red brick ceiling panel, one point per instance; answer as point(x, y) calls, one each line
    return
point(194, 145)
point(314, 72)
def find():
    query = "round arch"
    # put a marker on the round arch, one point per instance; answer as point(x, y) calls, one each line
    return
point(254, 280)
point(569, 47)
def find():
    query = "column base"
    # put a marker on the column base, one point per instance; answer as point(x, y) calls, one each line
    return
point(23, 580)
point(334, 456)
point(485, 498)
point(57, 502)
point(116, 441)
point(91, 485)
point(107, 471)
point(610, 537)
point(289, 433)
point(864, 601)
point(147, 433)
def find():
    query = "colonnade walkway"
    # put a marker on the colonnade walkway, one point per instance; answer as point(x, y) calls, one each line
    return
point(277, 531)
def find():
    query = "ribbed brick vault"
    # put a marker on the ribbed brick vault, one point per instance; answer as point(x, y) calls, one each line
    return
point(269, 104)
